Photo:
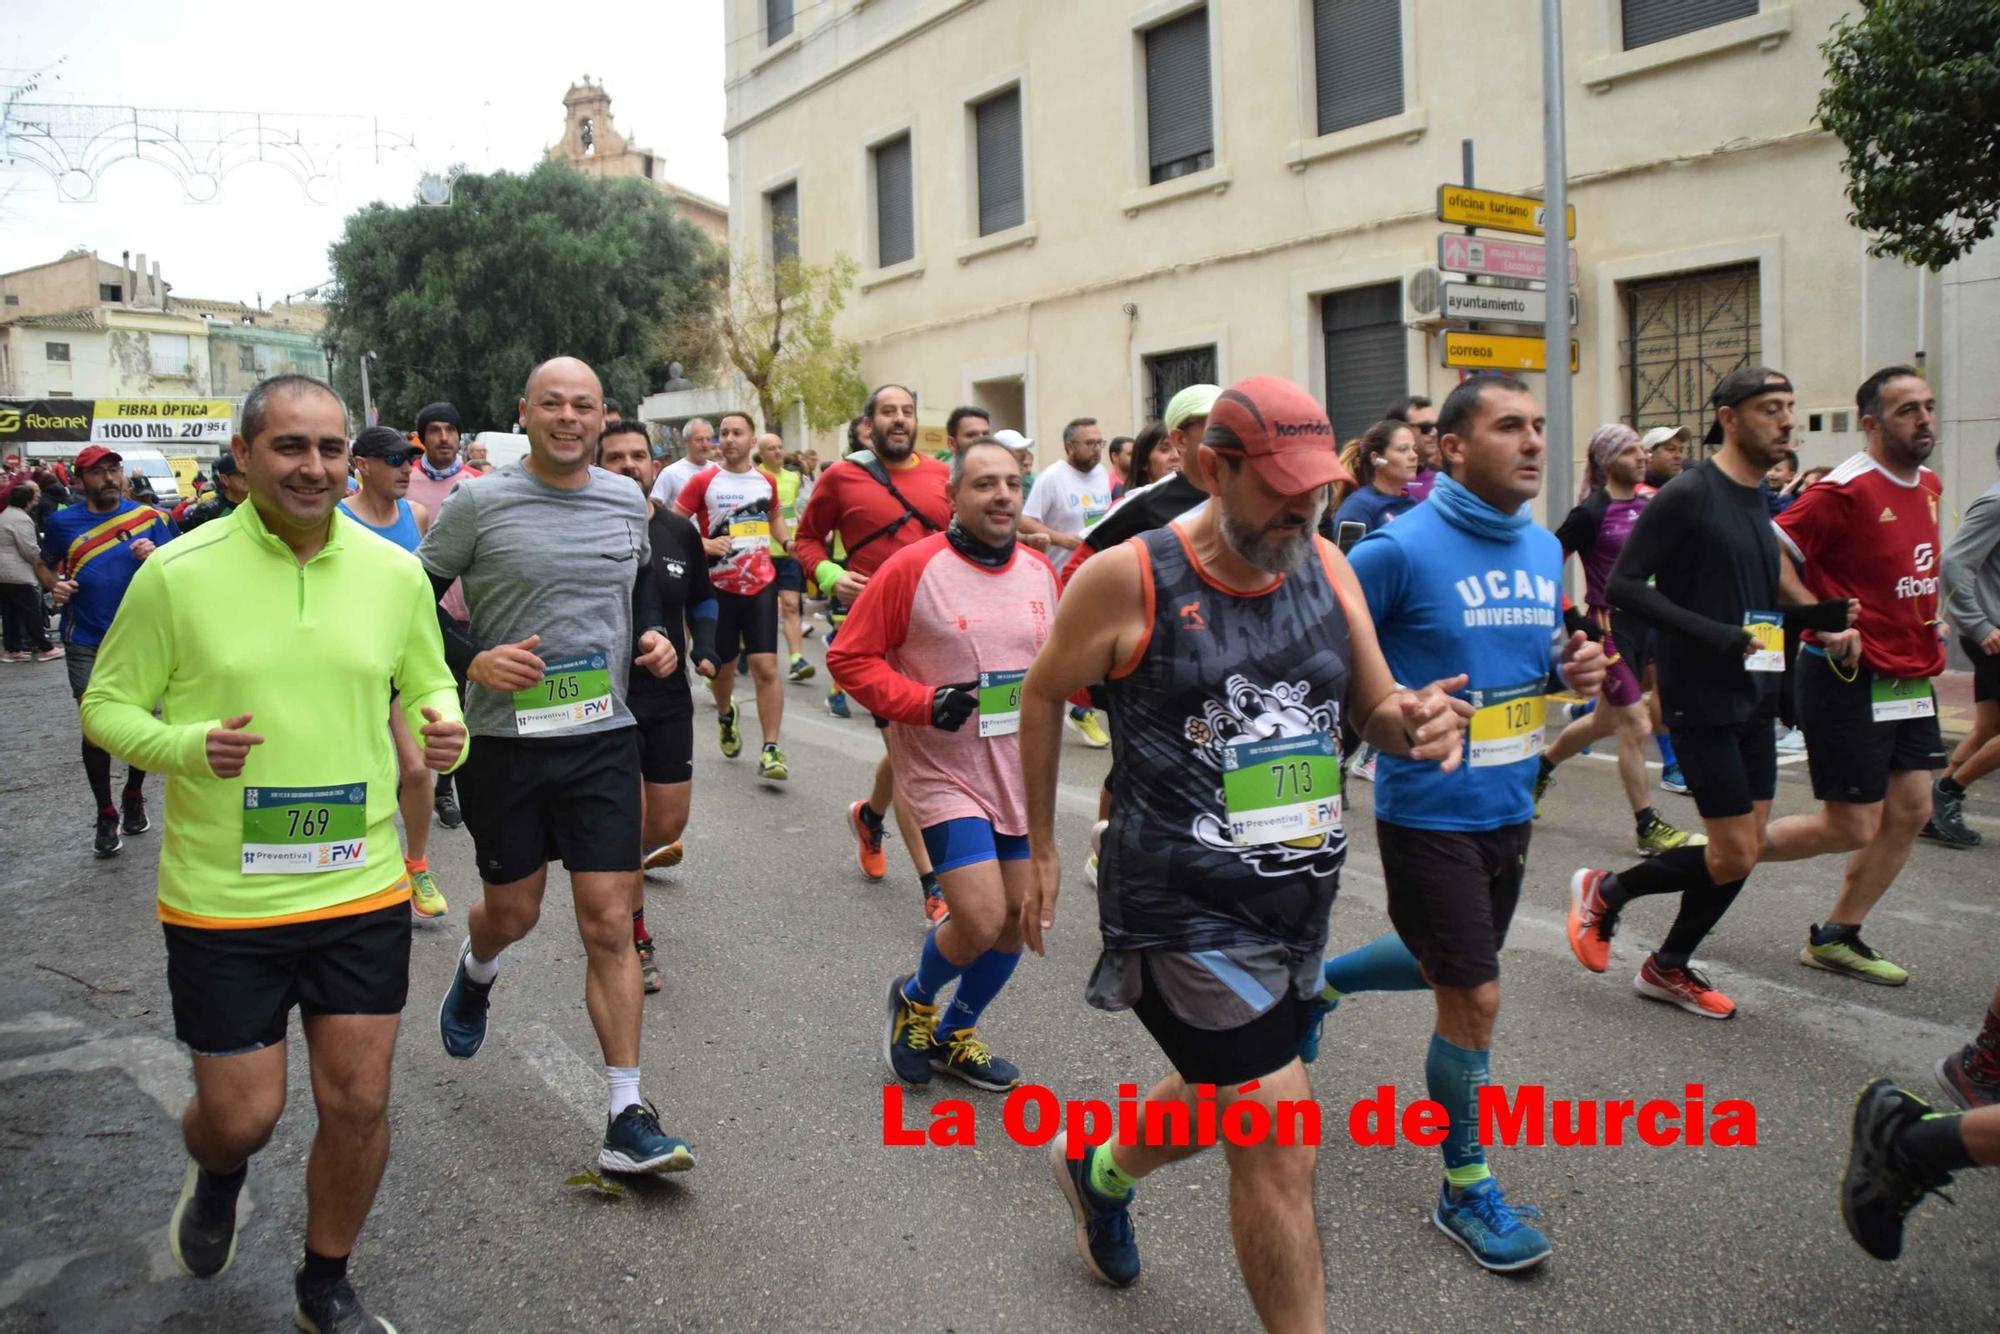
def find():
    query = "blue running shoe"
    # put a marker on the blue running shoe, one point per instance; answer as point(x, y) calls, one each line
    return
point(462, 1012)
point(1490, 1229)
point(1309, 1047)
point(909, 1036)
point(963, 1056)
point(836, 703)
point(634, 1142)
point(1672, 781)
point(1103, 1227)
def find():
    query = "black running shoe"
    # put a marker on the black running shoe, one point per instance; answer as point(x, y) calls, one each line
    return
point(1881, 1186)
point(202, 1232)
point(1947, 823)
point(634, 1143)
point(1104, 1237)
point(448, 813)
point(134, 819)
point(462, 1012)
point(108, 843)
point(332, 1308)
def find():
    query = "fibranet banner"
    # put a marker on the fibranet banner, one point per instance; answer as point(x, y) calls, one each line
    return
point(116, 421)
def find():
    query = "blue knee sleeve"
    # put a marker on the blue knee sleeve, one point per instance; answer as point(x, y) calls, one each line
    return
point(977, 986)
point(1454, 1077)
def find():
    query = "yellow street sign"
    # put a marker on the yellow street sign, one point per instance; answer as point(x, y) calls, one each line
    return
point(1500, 352)
point(1488, 208)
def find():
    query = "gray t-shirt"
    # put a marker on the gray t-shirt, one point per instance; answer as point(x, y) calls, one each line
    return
point(538, 560)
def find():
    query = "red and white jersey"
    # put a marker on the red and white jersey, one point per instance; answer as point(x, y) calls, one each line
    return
point(1863, 533)
point(738, 506)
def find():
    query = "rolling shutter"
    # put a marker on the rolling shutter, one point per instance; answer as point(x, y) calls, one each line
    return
point(1367, 364)
point(784, 223)
point(1649, 21)
point(997, 129)
point(895, 220)
point(1358, 61)
point(777, 20)
point(1180, 132)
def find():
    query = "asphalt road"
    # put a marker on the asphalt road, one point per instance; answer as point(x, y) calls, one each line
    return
point(764, 1050)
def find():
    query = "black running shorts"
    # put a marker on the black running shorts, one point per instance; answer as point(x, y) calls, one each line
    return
point(1226, 1056)
point(529, 802)
point(1729, 768)
point(666, 739)
point(1985, 670)
point(233, 990)
point(1452, 895)
point(1848, 753)
point(746, 624)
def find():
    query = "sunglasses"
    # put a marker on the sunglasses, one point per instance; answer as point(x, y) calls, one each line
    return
point(1424, 428)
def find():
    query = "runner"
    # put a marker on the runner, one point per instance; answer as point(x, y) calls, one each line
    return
point(231, 490)
point(1068, 500)
point(1595, 532)
point(555, 771)
point(381, 464)
point(438, 473)
point(278, 879)
point(1466, 580)
point(791, 581)
point(735, 508)
point(875, 506)
point(1972, 588)
point(1422, 418)
point(90, 552)
point(964, 426)
point(1700, 568)
point(697, 456)
point(1869, 533)
point(1900, 1151)
point(1385, 467)
point(1971, 1075)
point(938, 643)
point(1231, 633)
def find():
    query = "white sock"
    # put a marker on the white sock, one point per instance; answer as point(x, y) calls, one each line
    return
point(482, 971)
point(623, 1081)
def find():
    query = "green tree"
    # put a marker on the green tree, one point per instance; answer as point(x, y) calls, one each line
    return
point(775, 324)
point(460, 302)
point(1913, 91)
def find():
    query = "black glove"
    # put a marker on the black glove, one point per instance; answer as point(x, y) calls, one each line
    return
point(952, 705)
point(1574, 620)
point(1829, 617)
point(1727, 641)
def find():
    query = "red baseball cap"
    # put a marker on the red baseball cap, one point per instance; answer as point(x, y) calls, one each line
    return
point(1281, 429)
point(97, 455)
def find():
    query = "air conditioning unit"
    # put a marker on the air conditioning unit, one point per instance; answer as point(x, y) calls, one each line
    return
point(1423, 297)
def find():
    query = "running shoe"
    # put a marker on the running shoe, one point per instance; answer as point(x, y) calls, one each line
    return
point(649, 968)
point(963, 1056)
point(49, 654)
point(663, 858)
point(1947, 823)
point(634, 1142)
point(332, 1308)
point(16, 655)
point(935, 908)
point(1103, 1226)
point(1671, 780)
point(108, 843)
point(446, 805)
point(836, 704)
point(866, 826)
point(801, 669)
point(462, 1012)
point(732, 740)
point(1880, 1185)
point(1663, 837)
point(909, 1037)
point(1683, 987)
point(1364, 764)
point(132, 819)
point(1969, 1084)
point(771, 763)
point(1591, 921)
point(1578, 708)
point(426, 899)
point(202, 1233)
point(1852, 956)
point(1791, 741)
point(1479, 1218)
point(1543, 782)
point(1309, 1045)
point(1096, 847)
point(1084, 723)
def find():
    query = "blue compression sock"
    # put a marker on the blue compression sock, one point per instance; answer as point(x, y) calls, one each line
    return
point(977, 986)
point(1666, 749)
point(1454, 1076)
point(1383, 964)
point(934, 972)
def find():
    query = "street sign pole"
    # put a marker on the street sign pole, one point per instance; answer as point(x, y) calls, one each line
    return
point(1555, 193)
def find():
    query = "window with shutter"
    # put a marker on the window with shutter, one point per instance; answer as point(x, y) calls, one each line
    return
point(997, 136)
point(1357, 61)
point(1180, 116)
point(895, 210)
point(1167, 373)
point(1683, 332)
point(1367, 365)
point(777, 20)
point(784, 203)
point(1649, 21)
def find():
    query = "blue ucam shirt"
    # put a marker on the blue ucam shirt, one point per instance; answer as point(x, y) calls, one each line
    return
point(1448, 599)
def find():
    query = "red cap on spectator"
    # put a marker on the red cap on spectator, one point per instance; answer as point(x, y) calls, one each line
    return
point(96, 455)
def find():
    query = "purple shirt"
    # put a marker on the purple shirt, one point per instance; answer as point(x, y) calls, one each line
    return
point(1612, 530)
point(1419, 487)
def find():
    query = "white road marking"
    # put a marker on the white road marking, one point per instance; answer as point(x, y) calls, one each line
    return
point(569, 1076)
point(159, 1067)
point(36, 1023)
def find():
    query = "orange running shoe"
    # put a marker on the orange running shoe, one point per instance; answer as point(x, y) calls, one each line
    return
point(867, 830)
point(1683, 987)
point(1591, 922)
point(935, 910)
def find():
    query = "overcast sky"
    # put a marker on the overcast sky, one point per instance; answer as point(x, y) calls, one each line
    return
point(481, 86)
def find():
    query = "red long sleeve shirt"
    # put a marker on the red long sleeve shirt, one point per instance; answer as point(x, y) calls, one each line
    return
point(848, 503)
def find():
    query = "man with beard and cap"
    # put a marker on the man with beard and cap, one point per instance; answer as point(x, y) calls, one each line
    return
point(938, 643)
point(1234, 643)
point(231, 490)
point(1701, 568)
point(876, 504)
point(441, 471)
point(1466, 583)
point(1869, 533)
point(90, 552)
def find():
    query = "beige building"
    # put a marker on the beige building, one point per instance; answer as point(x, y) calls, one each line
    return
point(1064, 209)
point(591, 143)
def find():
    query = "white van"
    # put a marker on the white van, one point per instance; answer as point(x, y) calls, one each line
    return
point(153, 466)
point(502, 447)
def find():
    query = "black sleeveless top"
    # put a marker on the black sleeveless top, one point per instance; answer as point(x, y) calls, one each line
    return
point(1218, 666)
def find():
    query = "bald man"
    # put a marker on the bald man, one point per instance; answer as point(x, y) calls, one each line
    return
point(791, 579)
point(562, 612)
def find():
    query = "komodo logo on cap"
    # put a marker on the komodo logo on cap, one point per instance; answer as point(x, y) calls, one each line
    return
point(1282, 429)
